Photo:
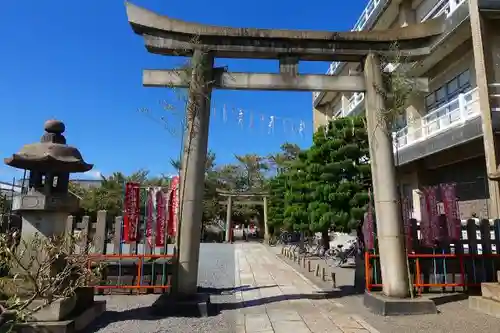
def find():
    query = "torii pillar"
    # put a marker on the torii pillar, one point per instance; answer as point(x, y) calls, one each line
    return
point(193, 175)
point(390, 232)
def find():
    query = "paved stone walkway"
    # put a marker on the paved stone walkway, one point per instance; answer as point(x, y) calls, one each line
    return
point(277, 298)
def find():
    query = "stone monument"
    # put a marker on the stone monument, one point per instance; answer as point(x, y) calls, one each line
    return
point(45, 207)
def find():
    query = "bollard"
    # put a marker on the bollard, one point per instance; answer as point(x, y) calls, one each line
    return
point(308, 266)
point(334, 280)
point(282, 250)
point(323, 273)
point(316, 271)
point(304, 262)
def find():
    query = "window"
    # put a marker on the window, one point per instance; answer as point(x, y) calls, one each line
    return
point(400, 122)
point(458, 85)
point(452, 86)
point(464, 79)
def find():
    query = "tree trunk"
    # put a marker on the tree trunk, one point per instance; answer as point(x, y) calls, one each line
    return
point(302, 240)
point(325, 239)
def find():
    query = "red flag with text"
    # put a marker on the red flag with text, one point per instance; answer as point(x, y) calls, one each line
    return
point(132, 212)
point(173, 206)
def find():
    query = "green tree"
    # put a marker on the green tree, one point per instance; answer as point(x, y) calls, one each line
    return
point(252, 169)
point(4, 203)
point(297, 190)
point(338, 175)
point(109, 195)
point(277, 184)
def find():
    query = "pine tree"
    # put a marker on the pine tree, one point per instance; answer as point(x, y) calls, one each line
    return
point(297, 195)
point(278, 185)
point(338, 175)
point(276, 203)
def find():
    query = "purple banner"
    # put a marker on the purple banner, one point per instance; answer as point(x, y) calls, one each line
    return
point(450, 203)
point(425, 226)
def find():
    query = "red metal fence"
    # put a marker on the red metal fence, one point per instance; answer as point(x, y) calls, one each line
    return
point(458, 266)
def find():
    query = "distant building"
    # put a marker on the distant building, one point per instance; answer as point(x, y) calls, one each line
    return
point(9, 189)
point(84, 183)
point(87, 183)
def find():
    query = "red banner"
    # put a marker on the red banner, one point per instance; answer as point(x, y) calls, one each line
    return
point(150, 211)
point(425, 225)
point(173, 207)
point(368, 227)
point(161, 218)
point(431, 208)
point(132, 212)
point(432, 205)
point(450, 203)
point(406, 210)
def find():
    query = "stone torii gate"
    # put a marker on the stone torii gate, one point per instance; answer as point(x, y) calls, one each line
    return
point(229, 205)
point(166, 36)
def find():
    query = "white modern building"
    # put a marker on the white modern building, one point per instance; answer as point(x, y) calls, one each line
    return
point(445, 133)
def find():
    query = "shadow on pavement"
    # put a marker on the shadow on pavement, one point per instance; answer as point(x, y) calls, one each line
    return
point(340, 292)
point(151, 313)
point(232, 290)
point(148, 313)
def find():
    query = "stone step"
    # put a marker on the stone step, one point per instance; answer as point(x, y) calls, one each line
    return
point(491, 290)
point(485, 305)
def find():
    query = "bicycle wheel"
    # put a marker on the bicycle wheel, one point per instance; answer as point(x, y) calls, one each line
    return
point(334, 256)
point(285, 238)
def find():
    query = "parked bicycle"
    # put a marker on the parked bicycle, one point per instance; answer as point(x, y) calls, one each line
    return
point(341, 255)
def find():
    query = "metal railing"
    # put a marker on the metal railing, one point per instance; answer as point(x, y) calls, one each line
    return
point(454, 113)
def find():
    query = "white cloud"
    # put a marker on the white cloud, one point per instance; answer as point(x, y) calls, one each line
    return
point(168, 175)
point(93, 174)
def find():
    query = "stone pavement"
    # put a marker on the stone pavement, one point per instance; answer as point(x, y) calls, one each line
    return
point(277, 298)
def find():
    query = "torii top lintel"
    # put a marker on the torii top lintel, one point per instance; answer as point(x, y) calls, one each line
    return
point(168, 36)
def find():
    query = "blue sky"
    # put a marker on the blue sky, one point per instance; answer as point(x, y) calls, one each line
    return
point(80, 62)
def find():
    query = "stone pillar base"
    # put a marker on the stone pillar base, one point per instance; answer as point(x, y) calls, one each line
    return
point(382, 305)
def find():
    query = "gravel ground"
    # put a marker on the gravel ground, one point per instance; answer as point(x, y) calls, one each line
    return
point(453, 317)
point(131, 313)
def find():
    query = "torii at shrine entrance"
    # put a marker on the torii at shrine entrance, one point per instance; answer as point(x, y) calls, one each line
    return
point(229, 208)
point(203, 43)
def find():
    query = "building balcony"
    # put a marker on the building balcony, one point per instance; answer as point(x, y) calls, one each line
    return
point(452, 114)
point(454, 123)
point(355, 105)
point(374, 8)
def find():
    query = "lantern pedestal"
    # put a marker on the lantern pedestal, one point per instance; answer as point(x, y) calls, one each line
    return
point(489, 301)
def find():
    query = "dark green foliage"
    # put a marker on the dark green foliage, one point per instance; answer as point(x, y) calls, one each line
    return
point(326, 186)
point(276, 202)
point(280, 185)
point(296, 195)
point(338, 175)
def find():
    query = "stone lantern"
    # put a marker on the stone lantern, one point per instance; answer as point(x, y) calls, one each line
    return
point(44, 208)
point(46, 205)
